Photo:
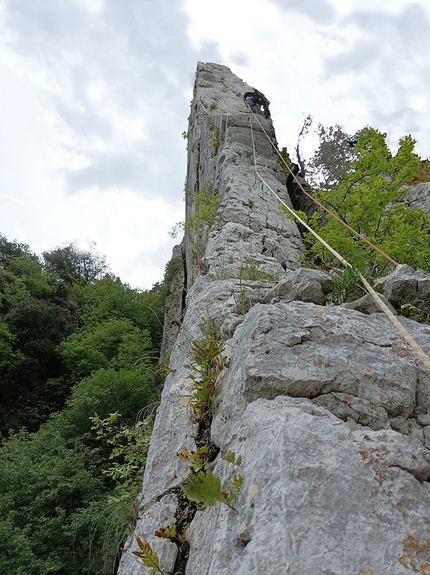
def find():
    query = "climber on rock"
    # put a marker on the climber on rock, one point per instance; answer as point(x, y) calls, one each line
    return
point(257, 100)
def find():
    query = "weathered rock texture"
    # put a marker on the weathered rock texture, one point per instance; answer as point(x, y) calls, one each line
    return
point(328, 407)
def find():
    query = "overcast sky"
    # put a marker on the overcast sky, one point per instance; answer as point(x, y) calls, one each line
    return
point(95, 94)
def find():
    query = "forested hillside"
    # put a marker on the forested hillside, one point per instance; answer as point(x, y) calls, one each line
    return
point(76, 345)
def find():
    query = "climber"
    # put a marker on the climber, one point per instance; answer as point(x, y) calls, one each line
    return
point(283, 265)
point(257, 100)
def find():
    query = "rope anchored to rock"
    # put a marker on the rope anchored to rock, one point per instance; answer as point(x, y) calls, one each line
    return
point(381, 304)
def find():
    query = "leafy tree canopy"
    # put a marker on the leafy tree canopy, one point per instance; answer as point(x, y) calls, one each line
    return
point(109, 298)
point(76, 339)
point(71, 263)
point(367, 194)
point(112, 343)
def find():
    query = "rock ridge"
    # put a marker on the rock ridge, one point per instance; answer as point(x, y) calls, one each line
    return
point(327, 406)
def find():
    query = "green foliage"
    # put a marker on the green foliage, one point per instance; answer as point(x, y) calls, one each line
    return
point(206, 207)
point(114, 343)
point(409, 310)
point(171, 270)
point(103, 525)
point(104, 391)
point(72, 263)
point(231, 457)
point(208, 362)
point(242, 300)
point(369, 199)
point(205, 204)
point(330, 163)
point(67, 494)
point(8, 357)
point(129, 445)
point(286, 157)
point(148, 556)
point(170, 533)
point(289, 215)
point(109, 298)
point(206, 490)
point(216, 138)
point(347, 286)
point(37, 328)
point(199, 458)
point(70, 500)
point(23, 277)
point(42, 484)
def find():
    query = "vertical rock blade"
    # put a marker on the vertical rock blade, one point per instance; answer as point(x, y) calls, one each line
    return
point(327, 407)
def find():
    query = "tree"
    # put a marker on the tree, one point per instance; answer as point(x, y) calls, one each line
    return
point(13, 249)
point(72, 263)
point(37, 328)
point(304, 130)
point(331, 161)
point(112, 343)
point(71, 341)
point(43, 483)
point(22, 276)
point(110, 298)
point(368, 197)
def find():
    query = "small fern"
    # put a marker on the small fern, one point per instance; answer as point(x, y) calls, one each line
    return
point(148, 556)
point(205, 489)
point(208, 363)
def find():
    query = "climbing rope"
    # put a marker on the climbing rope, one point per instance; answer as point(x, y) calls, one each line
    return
point(402, 330)
point(332, 214)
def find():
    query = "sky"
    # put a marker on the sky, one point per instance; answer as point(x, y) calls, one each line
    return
point(95, 96)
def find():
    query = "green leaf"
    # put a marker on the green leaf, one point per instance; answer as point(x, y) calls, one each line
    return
point(231, 457)
point(205, 489)
point(147, 555)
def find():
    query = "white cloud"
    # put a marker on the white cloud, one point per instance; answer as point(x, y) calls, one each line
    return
point(94, 97)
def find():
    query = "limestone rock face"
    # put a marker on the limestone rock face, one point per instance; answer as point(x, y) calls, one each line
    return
point(419, 196)
point(406, 286)
point(328, 407)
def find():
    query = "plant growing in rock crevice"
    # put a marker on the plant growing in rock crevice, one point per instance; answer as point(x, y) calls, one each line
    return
point(148, 556)
point(207, 362)
point(205, 204)
point(202, 487)
point(216, 136)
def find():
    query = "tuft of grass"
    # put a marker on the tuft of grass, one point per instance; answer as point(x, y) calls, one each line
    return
point(347, 287)
point(251, 272)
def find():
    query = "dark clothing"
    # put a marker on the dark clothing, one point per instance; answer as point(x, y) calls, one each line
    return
point(258, 100)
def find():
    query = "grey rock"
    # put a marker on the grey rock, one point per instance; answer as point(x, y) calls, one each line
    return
point(407, 426)
point(423, 419)
point(345, 406)
point(304, 284)
point(426, 431)
point(326, 405)
point(406, 286)
point(367, 305)
point(316, 497)
point(419, 196)
point(304, 350)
